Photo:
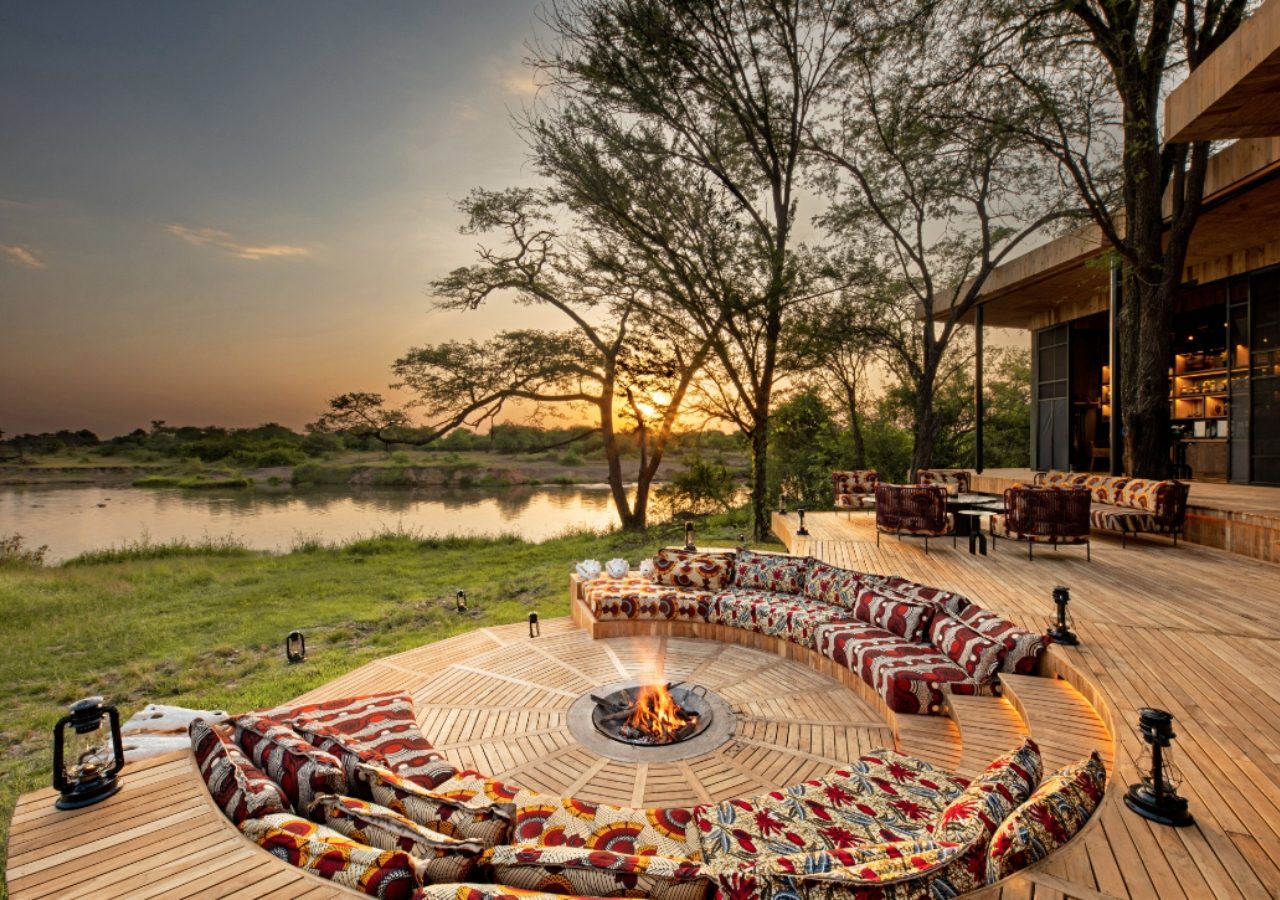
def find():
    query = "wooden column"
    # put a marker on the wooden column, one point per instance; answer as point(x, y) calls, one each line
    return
point(1116, 428)
point(979, 407)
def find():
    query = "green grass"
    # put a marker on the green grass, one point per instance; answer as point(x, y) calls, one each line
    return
point(204, 625)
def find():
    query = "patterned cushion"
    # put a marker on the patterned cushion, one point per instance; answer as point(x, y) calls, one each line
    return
point(544, 820)
point(301, 770)
point(382, 724)
point(240, 789)
point(884, 796)
point(841, 641)
point(900, 870)
point(999, 525)
point(488, 892)
point(444, 858)
point(636, 597)
point(767, 612)
point(390, 875)
point(893, 612)
point(1113, 518)
point(836, 586)
point(778, 572)
point(947, 600)
point(1023, 648)
point(598, 873)
point(699, 569)
point(977, 655)
point(1053, 815)
point(472, 819)
point(855, 481)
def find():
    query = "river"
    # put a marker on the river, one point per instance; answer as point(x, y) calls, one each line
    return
point(71, 520)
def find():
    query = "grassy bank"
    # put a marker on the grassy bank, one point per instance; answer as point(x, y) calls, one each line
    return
point(204, 626)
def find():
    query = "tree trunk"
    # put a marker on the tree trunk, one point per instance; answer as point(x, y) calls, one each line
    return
point(926, 421)
point(613, 458)
point(760, 513)
point(855, 428)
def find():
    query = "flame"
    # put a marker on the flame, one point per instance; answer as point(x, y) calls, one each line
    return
point(657, 714)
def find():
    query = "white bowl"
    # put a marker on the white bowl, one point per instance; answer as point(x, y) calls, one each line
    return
point(589, 569)
point(618, 568)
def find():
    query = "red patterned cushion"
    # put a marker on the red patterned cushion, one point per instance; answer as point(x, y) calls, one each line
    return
point(382, 724)
point(1053, 815)
point(704, 570)
point(781, 615)
point(301, 770)
point(545, 820)
point(388, 875)
point(903, 617)
point(240, 789)
point(779, 572)
point(947, 600)
point(472, 818)
point(444, 859)
point(977, 655)
point(597, 873)
point(1022, 648)
point(637, 597)
point(836, 586)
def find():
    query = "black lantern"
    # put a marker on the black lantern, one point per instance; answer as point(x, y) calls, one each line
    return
point(535, 629)
point(295, 647)
point(1156, 796)
point(742, 542)
point(782, 504)
point(460, 599)
point(688, 536)
point(91, 774)
point(801, 531)
point(1061, 631)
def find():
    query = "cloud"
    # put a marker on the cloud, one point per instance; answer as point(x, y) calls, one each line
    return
point(519, 82)
point(225, 240)
point(20, 256)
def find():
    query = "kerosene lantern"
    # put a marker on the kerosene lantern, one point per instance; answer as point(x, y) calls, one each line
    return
point(688, 536)
point(1061, 631)
point(460, 601)
point(535, 629)
point(1155, 797)
point(84, 765)
point(801, 531)
point(295, 647)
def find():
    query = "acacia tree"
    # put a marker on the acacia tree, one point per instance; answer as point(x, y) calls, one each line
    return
point(366, 414)
point(1095, 72)
point(727, 88)
point(612, 357)
point(927, 197)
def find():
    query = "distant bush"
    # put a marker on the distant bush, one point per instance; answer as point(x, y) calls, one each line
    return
point(318, 473)
point(704, 486)
point(571, 457)
point(14, 552)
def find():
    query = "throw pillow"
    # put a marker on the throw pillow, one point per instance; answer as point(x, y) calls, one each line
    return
point(947, 600)
point(1053, 815)
point(388, 875)
point(697, 569)
point(476, 819)
point(885, 609)
point(1023, 648)
point(977, 655)
point(597, 873)
point(836, 586)
point(444, 859)
point(546, 820)
point(779, 572)
point(303, 771)
point(241, 790)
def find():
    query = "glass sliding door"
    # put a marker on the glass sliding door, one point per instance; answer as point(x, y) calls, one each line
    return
point(1052, 406)
point(1264, 358)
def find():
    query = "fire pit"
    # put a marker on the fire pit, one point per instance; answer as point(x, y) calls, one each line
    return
point(651, 721)
point(653, 715)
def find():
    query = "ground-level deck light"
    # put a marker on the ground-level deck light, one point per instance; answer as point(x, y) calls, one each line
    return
point(1156, 796)
point(742, 542)
point(295, 647)
point(1061, 632)
point(801, 531)
point(535, 629)
point(460, 600)
point(688, 536)
point(91, 774)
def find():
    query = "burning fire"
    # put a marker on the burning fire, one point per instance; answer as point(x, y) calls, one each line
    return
point(658, 715)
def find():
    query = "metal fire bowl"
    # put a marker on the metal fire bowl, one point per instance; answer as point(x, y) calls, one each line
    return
point(720, 721)
point(690, 702)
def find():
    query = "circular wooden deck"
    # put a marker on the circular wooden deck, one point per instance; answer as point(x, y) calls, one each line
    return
point(506, 712)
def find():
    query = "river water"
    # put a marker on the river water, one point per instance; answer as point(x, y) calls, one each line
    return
point(71, 520)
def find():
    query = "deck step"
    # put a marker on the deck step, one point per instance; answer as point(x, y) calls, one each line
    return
point(935, 739)
point(989, 727)
point(1063, 722)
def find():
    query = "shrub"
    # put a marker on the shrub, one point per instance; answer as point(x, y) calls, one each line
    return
point(14, 552)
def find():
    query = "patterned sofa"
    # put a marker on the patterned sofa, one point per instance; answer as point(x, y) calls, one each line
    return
point(909, 643)
point(854, 489)
point(379, 812)
point(956, 481)
point(1128, 505)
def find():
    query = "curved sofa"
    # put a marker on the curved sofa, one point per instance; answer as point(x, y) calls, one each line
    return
point(351, 790)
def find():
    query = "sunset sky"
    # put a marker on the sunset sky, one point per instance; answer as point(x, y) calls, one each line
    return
point(225, 213)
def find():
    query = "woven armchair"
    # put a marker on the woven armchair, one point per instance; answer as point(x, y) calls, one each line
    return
point(855, 489)
point(913, 511)
point(1040, 515)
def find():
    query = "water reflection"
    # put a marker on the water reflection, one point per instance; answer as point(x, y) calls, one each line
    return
point(74, 519)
